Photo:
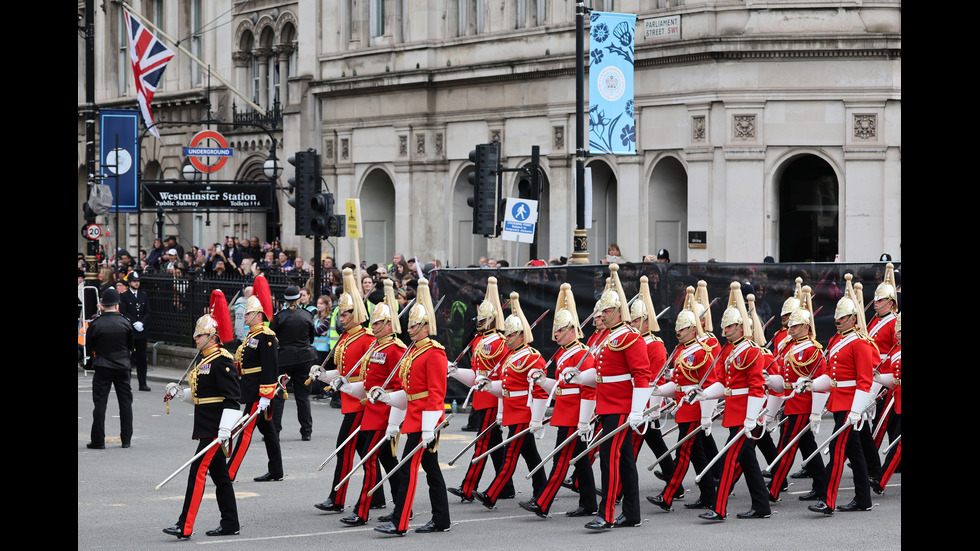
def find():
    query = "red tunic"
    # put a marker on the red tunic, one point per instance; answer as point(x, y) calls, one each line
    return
point(384, 358)
point(350, 349)
point(513, 379)
point(798, 360)
point(621, 364)
point(895, 368)
point(568, 397)
point(780, 340)
point(850, 364)
point(690, 364)
point(741, 373)
point(487, 351)
point(657, 354)
point(882, 332)
point(422, 375)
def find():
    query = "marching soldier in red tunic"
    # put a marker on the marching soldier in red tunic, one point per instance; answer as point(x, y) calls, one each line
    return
point(644, 320)
point(487, 350)
point(375, 368)
point(740, 381)
point(891, 377)
point(214, 391)
point(418, 405)
point(691, 365)
point(523, 404)
point(574, 408)
point(622, 379)
point(802, 356)
point(258, 362)
point(882, 331)
point(850, 365)
point(347, 356)
point(790, 305)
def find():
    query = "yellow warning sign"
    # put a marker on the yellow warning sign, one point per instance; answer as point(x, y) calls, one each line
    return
point(353, 217)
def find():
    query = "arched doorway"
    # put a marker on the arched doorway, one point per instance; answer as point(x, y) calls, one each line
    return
point(808, 211)
point(667, 208)
point(604, 210)
point(378, 211)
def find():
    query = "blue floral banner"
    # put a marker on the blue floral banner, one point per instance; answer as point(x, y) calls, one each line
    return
point(611, 125)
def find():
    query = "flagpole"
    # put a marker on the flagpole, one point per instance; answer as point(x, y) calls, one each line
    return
point(194, 58)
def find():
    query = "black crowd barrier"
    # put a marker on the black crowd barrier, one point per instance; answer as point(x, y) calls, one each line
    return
point(177, 303)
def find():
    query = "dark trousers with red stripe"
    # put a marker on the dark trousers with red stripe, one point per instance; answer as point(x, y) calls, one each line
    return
point(847, 446)
point(484, 419)
point(740, 459)
point(345, 460)
point(366, 440)
point(582, 473)
point(894, 458)
point(269, 434)
point(617, 468)
point(807, 444)
point(518, 447)
point(428, 459)
point(224, 491)
point(691, 452)
point(655, 441)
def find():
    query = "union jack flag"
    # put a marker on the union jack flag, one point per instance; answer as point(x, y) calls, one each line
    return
point(150, 58)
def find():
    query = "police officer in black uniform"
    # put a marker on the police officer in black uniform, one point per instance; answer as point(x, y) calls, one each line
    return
point(294, 328)
point(135, 305)
point(110, 336)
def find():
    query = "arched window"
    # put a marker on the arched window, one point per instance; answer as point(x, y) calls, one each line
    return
point(808, 211)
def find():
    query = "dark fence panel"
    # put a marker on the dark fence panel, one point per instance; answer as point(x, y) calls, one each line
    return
point(177, 303)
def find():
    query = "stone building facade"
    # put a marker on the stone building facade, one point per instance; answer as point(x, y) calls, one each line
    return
point(764, 127)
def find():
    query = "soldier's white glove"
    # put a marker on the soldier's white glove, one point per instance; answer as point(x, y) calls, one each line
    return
point(695, 395)
point(264, 403)
point(429, 421)
point(707, 410)
point(395, 418)
point(803, 384)
point(585, 412)
point(858, 405)
point(341, 384)
point(378, 394)
point(315, 372)
point(482, 384)
point(451, 368)
point(753, 409)
point(877, 377)
point(816, 410)
point(815, 423)
point(536, 376)
point(174, 390)
point(641, 397)
point(228, 418)
point(572, 376)
point(538, 407)
point(138, 326)
point(500, 412)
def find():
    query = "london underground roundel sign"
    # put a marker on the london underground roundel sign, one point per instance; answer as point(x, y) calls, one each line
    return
point(202, 149)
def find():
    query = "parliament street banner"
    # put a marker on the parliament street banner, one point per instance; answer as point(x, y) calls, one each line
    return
point(612, 128)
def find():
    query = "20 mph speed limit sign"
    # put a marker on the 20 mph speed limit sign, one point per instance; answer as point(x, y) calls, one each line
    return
point(91, 231)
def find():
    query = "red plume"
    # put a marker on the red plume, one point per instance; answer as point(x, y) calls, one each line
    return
point(222, 316)
point(260, 288)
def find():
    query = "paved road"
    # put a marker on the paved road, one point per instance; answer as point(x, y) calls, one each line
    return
point(118, 507)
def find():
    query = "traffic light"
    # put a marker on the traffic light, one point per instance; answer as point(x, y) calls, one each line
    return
point(485, 157)
point(305, 184)
point(324, 222)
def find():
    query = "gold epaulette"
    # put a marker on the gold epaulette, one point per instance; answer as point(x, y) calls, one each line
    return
point(527, 363)
point(655, 338)
point(437, 345)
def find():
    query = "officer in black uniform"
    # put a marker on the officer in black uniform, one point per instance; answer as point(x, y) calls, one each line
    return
point(135, 305)
point(257, 360)
point(110, 336)
point(294, 328)
point(214, 390)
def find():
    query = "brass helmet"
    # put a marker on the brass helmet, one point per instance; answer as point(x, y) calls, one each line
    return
point(756, 322)
point(847, 305)
point(566, 315)
point(613, 296)
point(490, 307)
point(422, 311)
point(350, 299)
point(887, 288)
point(688, 316)
point(643, 306)
point(793, 302)
point(702, 299)
point(252, 304)
point(516, 321)
point(804, 314)
point(735, 313)
point(387, 309)
point(206, 325)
